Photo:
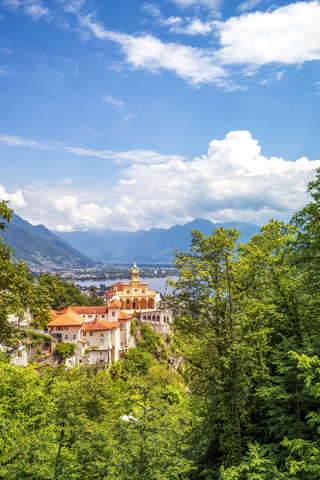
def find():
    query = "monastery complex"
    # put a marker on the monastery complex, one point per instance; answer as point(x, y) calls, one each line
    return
point(102, 334)
point(134, 295)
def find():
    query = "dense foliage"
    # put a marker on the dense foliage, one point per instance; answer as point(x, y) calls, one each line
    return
point(19, 290)
point(81, 424)
point(67, 294)
point(246, 405)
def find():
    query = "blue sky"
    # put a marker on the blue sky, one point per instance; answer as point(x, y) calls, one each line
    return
point(129, 114)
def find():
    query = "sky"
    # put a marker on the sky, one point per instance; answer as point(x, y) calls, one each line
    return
point(133, 114)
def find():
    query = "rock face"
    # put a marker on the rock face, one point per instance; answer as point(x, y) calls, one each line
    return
point(40, 248)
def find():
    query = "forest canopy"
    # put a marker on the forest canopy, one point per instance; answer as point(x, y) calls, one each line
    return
point(245, 403)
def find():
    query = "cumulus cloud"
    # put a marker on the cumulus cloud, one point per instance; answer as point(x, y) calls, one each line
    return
point(287, 35)
point(16, 199)
point(193, 27)
point(85, 215)
point(233, 181)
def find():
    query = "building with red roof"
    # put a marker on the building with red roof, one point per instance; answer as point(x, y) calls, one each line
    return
point(100, 333)
point(134, 295)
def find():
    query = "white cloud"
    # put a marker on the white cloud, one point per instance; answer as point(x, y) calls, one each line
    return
point(136, 156)
point(6, 71)
point(113, 101)
point(288, 35)
point(85, 215)
point(248, 5)
point(172, 21)
point(193, 64)
point(211, 4)
point(233, 181)
point(36, 10)
point(32, 8)
point(128, 117)
point(193, 27)
point(65, 181)
point(16, 199)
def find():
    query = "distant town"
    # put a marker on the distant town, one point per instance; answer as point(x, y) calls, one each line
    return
point(113, 272)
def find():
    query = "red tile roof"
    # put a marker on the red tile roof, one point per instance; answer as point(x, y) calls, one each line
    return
point(118, 285)
point(99, 325)
point(90, 310)
point(124, 316)
point(114, 304)
point(68, 318)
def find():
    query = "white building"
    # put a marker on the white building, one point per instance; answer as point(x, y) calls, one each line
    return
point(100, 333)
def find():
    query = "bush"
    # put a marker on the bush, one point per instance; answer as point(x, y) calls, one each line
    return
point(133, 328)
point(64, 350)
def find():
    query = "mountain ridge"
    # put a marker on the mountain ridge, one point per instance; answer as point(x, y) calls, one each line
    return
point(151, 246)
point(40, 248)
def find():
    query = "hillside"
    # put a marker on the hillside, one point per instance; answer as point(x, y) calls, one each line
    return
point(40, 248)
point(152, 246)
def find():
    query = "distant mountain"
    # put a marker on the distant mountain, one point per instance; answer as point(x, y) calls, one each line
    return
point(151, 246)
point(40, 248)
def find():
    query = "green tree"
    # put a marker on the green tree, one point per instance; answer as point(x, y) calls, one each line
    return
point(65, 350)
point(237, 306)
point(18, 289)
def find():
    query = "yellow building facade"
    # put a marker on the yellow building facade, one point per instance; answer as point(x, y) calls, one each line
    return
point(134, 295)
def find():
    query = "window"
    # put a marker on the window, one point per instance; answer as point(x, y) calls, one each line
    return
point(84, 316)
point(143, 291)
point(128, 291)
point(113, 314)
point(66, 337)
point(58, 328)
point(84, 334)
point(74, 337)
point(101, 337)
point(89, 316)
point(144, 317)
point(65, 328)
point(101, 353)
point(135, 289)
point(91, 334)
point(102, 316)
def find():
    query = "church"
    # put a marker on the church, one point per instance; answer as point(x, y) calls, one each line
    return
point(137, 299)
point(135, 295)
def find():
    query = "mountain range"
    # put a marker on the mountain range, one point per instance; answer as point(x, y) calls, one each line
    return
point(145, 246)
point(40, 248)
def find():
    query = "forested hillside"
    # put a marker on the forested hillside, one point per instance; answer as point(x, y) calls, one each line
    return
point(40, 248)
point(244, 404)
